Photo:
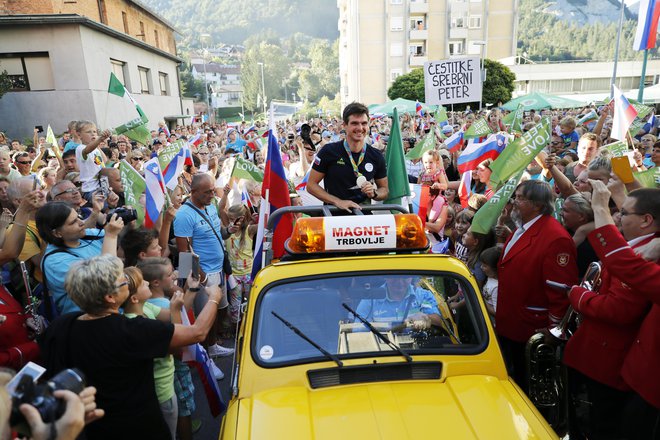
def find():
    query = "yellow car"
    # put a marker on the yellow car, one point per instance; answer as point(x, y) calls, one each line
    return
point(341, 343)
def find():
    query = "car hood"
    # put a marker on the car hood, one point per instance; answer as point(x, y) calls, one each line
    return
point(466, 407)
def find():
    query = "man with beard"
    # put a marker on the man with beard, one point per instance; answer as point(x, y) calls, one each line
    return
point(539, 250)
point(348, 168)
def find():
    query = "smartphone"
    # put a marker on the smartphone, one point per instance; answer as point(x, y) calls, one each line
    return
point(185, 264)
point(195, 266)
point(34, 182)
point(105, 186)
point(31, 369)
point(621, 167)
point(40, 128)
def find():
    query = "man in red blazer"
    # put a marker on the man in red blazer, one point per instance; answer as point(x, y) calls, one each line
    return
point(539, 250)
point(641, 417)
point(611, 321)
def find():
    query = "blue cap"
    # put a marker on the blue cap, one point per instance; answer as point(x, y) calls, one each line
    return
point(326, 133)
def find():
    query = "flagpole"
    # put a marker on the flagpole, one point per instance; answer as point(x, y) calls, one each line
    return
point(640, 93)
point(616, 50)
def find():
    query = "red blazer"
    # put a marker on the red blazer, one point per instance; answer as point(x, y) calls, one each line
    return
point(524, 302)
point(611, 320)
point(16, 349)
point(642, 364)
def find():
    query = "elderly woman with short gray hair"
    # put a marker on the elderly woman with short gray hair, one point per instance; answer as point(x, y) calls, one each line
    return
point(116, 353)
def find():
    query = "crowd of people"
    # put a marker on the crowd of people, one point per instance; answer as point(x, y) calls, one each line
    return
point(121, 303)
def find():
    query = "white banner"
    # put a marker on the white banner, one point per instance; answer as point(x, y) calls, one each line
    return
point(360, 232)
point(452, 81)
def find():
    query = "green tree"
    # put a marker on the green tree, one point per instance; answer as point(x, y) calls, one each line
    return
point(5, 83)
point(191, 86)
point(275, 71)
point(409, 86)
point(498, 85)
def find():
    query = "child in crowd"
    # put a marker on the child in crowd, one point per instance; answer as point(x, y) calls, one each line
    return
point(135, 306)
point(568, 134)
point(475, 243)
point(433, 174)
point(489, 258)
point(240, 250)
point(161, 278)
point(449, 223)
point(453, 201)
point(461, 225)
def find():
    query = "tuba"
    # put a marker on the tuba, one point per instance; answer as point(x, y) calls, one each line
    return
point(548, 388)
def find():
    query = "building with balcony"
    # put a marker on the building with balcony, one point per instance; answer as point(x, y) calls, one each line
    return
point(382, 39)
point(59, 56)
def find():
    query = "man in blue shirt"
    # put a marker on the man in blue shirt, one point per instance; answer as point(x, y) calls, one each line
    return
point(197, 229)
point(404, 302)
point(234, 142)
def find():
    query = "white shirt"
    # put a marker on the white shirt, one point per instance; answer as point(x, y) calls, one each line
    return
point(519, 233)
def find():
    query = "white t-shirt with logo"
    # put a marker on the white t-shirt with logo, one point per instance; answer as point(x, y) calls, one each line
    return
point(89, 168)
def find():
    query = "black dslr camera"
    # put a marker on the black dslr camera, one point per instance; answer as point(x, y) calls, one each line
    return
point(41, 397)
point(126, 214)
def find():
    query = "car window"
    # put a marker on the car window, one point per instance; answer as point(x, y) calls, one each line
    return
point(419, 313)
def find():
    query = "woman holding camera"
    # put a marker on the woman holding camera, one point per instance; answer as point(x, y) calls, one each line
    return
point(117, 353)
point(68, 241)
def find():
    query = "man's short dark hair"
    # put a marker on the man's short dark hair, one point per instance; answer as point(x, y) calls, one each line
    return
point(354, 108)
point(647, 201)
point(69, 152)
point(540, 194)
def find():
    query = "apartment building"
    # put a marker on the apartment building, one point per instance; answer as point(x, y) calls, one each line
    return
point(382, 39)
point(59, 55)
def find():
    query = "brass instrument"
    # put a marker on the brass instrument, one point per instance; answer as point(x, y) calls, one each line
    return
point(548, 388)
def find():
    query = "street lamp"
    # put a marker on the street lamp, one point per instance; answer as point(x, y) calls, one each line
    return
point(204, 39)
point(263, 87)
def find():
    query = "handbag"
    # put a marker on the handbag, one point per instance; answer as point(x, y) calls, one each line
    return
point(226, 265)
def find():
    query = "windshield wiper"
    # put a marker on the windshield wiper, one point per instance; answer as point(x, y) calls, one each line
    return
point(297, 331)
point(380, 335)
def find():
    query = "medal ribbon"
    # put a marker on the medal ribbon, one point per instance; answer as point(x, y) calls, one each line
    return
point(360, 159)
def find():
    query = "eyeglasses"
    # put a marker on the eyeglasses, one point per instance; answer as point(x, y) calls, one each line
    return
point(624, 213)
point(556, 143)
point(123, 283)
point(137, 158)
point(23, 162)
point(203, 154)
point(67, 191)
point(312, 150)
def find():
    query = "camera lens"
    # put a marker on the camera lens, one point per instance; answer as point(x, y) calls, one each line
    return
point(70, 379)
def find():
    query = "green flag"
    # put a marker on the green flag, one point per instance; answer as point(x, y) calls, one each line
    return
point(649, 178)
point(442, 116)
point(428, 143)
point(587, 119)
point(486, 217)
point(244, 169)
point(166, 155)
point(478, 128)
point(134, 185)
point(397, 175)
point(116, 87)
point(559, 204)
point(636, 125)
point(618, 148)
point(517, 121)
point(642, 110)
point(518, 154)
point(50, 137)
point(136, 129)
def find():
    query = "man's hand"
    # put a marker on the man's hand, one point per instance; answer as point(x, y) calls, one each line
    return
point(369, 189)
point(98, 202)
point(67, 427)
point(600, 195)
point(650, 251)
point(32, 201)
point(419, 321)
point(347, 205)
point(92, 413)
point(113, 200)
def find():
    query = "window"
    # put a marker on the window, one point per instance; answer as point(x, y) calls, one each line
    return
point(124, 18)
point(317, 307)
point(395, 73)
point(145, 80)
point(104, 12)
point(119, 69)
point(396, 50)
point(156, 38)
point(234, 96)
point(164, 83)
point(417, 50)
point(475, 22)
point(142, 34)
point(396, 23)
point(28, 71)
point(455, 48)
point(458, 21)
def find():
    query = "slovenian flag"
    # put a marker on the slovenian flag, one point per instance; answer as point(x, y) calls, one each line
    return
point(166, 130)
point(418, 109)
point(274, 195)
point(245, 199)
point(647, 25)
point(589, 118)
point(465, 188)
point(196, 140)
point(477, 152)
point(624, 115)
point(302, 186)
point(173, 170)
point(155, 193)
point(196, 356)
point(455, 141)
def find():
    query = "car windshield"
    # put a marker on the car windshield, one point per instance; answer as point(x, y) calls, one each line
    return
point(418, 313)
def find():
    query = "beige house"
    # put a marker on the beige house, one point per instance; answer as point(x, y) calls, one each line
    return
point(60, 54)
point(382, 39)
